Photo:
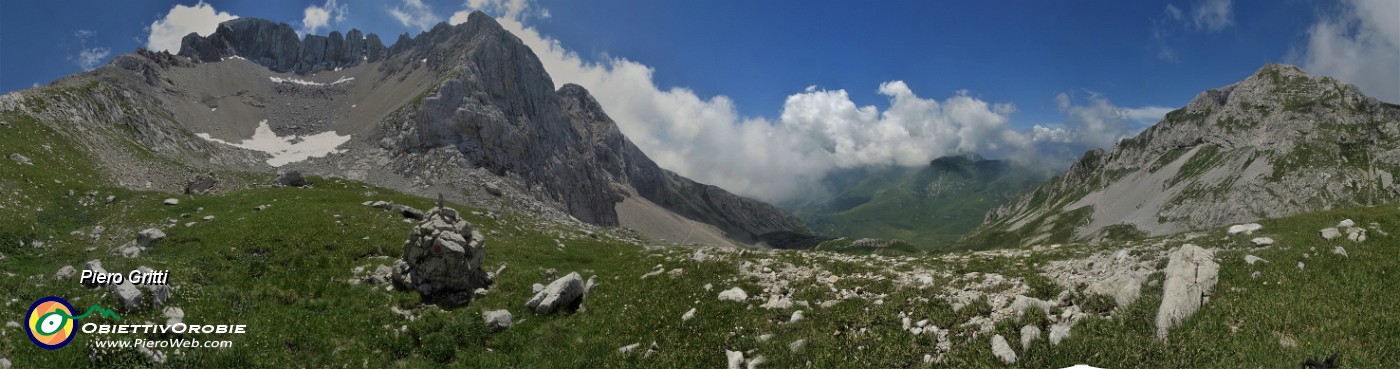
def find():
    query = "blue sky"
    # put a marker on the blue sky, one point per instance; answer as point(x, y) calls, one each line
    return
point(682, 76)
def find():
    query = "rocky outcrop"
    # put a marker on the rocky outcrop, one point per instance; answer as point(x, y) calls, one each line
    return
point(740, 218)
point(201, 184)
point(1278, 143)
point(1190, 276)
point(276, 46)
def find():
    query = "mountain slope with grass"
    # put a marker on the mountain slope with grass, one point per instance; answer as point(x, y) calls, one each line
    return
point(928, 207)
point(1278, 143)
point(274, 257)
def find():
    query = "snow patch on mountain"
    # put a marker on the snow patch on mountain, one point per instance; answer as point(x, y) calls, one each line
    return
point(288, 149)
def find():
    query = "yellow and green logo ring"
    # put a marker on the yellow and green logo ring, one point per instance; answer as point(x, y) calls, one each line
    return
point(49, 323)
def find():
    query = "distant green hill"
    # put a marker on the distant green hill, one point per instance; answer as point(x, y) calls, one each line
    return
point(929, 207)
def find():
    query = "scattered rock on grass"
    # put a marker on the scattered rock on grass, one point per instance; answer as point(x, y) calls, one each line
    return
point(160, 293)
point(1002, 350)
point(172, 201)
point(96, 267)
point(20, 159)
point(1262, 241)
point(733, 294)
point(1329, 233)
point(497, 320)
point(1029, 333)
point(149, 236)
point(1356, 234)
point(628, 348)
point(1244, 228)
point(65, 272)
point(1340, 251)
point(127, 294)
point(565, 293)
point(797, 345)
point(734, 358)
point(1251, 259)
point(756, 361)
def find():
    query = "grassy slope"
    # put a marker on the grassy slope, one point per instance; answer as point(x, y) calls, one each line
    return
point(893, 203)
point(281, 271)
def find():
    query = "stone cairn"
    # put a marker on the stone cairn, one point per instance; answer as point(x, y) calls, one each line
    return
point(442, 258)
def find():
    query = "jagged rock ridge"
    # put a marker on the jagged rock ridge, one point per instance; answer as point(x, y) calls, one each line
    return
point(275, 45)
point(1278, 143)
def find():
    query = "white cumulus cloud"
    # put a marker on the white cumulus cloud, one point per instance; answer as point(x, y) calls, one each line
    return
point(316, 17)
point(414, 13)
point(817, 131)
point(1096, 122)
point(1358, 45)
point(182, 20)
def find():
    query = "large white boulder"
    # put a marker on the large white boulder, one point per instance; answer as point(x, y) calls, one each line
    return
point(1190, 275)
point(733, 294)
point(565, 293)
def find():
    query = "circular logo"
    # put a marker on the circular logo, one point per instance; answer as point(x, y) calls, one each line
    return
point(49, 323)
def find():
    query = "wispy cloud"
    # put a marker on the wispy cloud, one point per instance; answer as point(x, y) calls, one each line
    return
point(88, 57)
point(1213, 15)
point(1207, 16)
point(414, 13)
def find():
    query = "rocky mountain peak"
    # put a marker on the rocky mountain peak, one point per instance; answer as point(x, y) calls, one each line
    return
point(1277, 143)
point(1274, 86)
point(480, 23)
